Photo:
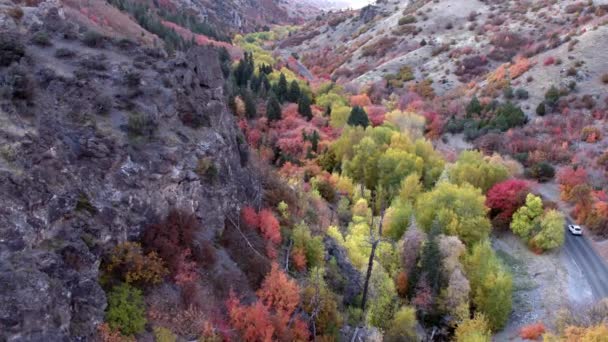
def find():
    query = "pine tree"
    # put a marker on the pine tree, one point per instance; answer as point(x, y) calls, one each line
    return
point(273, 108)
point(358, 117)
point(282, 88)
point(294, 92)
point(250, 108)
point(304, 107)
point(474, 107)
point(314, 140)
point(430, 261)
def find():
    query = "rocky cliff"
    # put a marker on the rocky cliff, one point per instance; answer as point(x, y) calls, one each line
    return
point(99, 138)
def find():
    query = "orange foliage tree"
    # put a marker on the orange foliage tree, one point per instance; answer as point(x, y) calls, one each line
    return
point(270, 318)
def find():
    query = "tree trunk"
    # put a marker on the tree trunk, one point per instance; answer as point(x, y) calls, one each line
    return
point(370, 265)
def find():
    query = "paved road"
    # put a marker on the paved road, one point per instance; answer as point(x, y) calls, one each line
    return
point(591, 265)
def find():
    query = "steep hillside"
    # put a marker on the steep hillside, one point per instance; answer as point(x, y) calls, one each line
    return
point(99, 139)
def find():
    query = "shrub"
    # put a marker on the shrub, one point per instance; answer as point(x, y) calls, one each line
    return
point(128, 262)
point(126, 310)
point(175, 233)
point(64, 53)
point(41, 38)
point(522, 94)
point(326, 190)
point(591, 134)
point(532, 331)
point(541, 109)
point(408, 19)
point(19, 83)
point(93, 39)
point(605, 78)
point(543, 172)
point(552, 95)
point(206, 169)
point(141, 125)
point(11, 49)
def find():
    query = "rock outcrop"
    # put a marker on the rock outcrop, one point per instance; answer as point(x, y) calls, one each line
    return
point(98, 139)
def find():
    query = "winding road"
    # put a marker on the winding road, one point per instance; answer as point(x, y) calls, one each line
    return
point(590, 264)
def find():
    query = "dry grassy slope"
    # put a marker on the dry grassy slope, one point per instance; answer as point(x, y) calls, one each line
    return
point(406, 50)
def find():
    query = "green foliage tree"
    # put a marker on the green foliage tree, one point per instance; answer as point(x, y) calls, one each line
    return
point(551, 233)
point(126, 310)
point(294, 92)
point(273, 108)
point(541, 110)
point(382, 304)
point(403, 326)
point(397, 219)
point(552, 96)
point(491, 284)
point(474, 107)
point(304, 106)
point(358, 117)
point(312, 247)
point(250, 108)
point(363, 167)
point(282, 88)
point(459, 210)
point(430, 259)
point(527, 218)
point(472, 168)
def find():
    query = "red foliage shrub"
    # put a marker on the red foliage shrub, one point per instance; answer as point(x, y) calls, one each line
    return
point(269, 226)
point(278, 292)
point(506, 197)
point(174, 234)
point(250, 217)
point(549, 61)
point(253, 322)
point(532, 331)
point(568, 178)
point(186, 268)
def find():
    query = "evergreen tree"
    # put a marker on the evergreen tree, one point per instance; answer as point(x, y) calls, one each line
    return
point(304, 107)
point(255, 83)
point(358, 117)
point(250, 108)
point(430, 261)
point(327, 111)
point(294, 92)
point(314, 140)
point(282, 88)
point(244, 70)
point(273, 108)
point(474, 107)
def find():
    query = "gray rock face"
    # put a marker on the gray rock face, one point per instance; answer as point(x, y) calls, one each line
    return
point(353, 284)
point(90, 154)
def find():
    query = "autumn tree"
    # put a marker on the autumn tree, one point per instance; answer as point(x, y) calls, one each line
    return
point(474, 169)
point(459, 211)
point(527, 218)
point(568, 178)
point(403, 326)
point(474, 329)
point(321, 305)
point(131, 265)
point(506, 197)
point(491, 284)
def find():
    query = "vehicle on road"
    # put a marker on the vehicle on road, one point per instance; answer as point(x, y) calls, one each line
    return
point(575, 229)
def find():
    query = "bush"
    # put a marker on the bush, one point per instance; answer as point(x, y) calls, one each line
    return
point(126, 310)
point(15, 12)
point(532, 331)
point(541, 110)
point(141, 125)
point(522, 94)
point(93, 39)
point(41, 38)
point(605, 78)
point(206, 169)
point(129, 264)
point(11, 49)
point(19, 83)
point(408, 19)
point(543, 172)
point(171, 236)
point(64, 53)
